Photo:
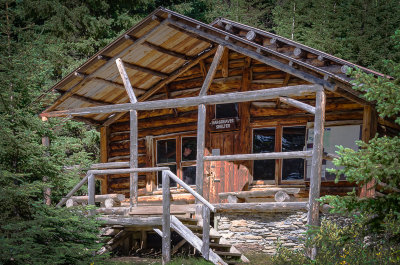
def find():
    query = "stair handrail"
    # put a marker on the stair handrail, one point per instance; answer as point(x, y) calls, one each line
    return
point(166, 219)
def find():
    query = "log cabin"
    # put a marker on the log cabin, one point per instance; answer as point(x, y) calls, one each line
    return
point(243, 119)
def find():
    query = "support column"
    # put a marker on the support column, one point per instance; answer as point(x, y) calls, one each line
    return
point(316, 163)
point(46, 190)
point(201, 130)
point(133, 158)
point(369, 129)
point(104, 133)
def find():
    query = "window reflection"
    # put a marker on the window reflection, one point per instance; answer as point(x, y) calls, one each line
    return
point(293, 139)
point(264, 142)
point(189, 146)
point(171, 182)
point(189, 175)
point(166, 151)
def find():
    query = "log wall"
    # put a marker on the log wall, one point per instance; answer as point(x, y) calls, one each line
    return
point(242, 74)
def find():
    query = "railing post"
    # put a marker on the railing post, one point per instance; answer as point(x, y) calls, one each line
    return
point(133, 159)
point(205, 250)
point(91, 191)
point(166, 219)
point(316, 164)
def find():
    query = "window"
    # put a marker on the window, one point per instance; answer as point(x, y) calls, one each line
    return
point(293, 139)
point(229, 110)
point(279, 139)
point(179, 154)
point(264, 142)
point(166, 156)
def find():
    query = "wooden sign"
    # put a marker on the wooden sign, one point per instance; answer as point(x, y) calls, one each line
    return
point(224, 124)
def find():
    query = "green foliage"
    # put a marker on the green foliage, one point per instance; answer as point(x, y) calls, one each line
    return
point(340, 245)
point(50, 236)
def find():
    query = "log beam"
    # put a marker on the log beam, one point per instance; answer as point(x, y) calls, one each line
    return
point(169, 52)
point(298, 104)
point(146, 70)
point(213, 69)
point(192, 101)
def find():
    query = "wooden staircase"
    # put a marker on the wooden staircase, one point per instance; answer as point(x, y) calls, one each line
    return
point(227, 252)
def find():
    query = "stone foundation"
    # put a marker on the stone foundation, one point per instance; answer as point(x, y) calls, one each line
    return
point(255, 232)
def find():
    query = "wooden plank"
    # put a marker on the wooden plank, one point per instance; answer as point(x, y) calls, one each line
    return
point(201, 130)
point(260, 156)
point(169, 52)
point(133, 158)
point(166, 81)
point(99, 198)
point(196, 242)
point(107, 64)
point(258, 193)
point(205, 250)
point(132, 221)
point(316, 163)
point(126, 170)
point(109, 165)
point(89, 100)
point(192, 101)
point(145, 70)
point(253, 54)
point(166, 220)
point(125, 79)
point(262, 207)
point(298, 104)
point(212, 70)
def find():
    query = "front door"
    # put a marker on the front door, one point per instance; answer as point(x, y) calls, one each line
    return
point(225, 176)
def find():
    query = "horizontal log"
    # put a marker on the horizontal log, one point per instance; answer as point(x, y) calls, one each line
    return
point(258, 193)
point(113, 211)
point(109, 165)
point(262, 207)
point(193, 101)
point(99, 198)
point(127, 170)
point(298, 104)
point(261, 156)
point(131, 221)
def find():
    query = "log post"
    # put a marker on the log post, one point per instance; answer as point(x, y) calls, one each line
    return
point(104, 133)
point(205, 250)
point(46, 190)
point(166, 219)
point(201, 129)
point(133, 158)
point(150, 176)
point(316, 163)
point(369, 129)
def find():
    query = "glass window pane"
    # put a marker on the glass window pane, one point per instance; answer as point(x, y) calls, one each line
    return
point(293, 139)
point(189, 175)
point(171, 182)
point(166, 151)
point(189, 148)
point(264, 142)
point(229, 110)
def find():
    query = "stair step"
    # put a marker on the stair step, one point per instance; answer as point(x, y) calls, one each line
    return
point(186, 220)
point(220, 246)
point(213, 238)
point(228, 254)
point(194, 227)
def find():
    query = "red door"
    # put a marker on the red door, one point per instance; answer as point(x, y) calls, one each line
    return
point(225, 176)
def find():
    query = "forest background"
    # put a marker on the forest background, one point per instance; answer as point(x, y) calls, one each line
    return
point(42, 41)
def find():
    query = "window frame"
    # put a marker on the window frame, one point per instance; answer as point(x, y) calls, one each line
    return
point(278, 148)
point(178, 162)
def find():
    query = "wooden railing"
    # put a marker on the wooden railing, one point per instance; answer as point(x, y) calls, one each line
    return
point(90, 178)
point(166, 219)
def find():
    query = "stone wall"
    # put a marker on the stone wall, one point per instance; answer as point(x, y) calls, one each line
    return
point(261, 231)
